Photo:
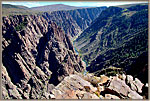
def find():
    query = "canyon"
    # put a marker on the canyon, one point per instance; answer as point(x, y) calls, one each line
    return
point(76, 53)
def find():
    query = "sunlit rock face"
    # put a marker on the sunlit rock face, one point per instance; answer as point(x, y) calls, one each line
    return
point(35, 53)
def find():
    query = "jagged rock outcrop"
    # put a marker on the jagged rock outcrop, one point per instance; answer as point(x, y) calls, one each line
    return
point(75, 21)
point(35, 54)
point(80, 86)
point(74, 87)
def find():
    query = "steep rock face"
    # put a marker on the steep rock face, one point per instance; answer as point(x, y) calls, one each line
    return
point(75, 21)
point(118, 37)
point(35, 53)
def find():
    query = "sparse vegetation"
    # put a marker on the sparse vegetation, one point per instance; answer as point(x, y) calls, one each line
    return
point(123, 38)
point(21, 26)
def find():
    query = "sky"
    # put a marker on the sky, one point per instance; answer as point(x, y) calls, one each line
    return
point(81, 4)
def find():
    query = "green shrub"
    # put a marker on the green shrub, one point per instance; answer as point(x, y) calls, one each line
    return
point(125, 10)
point(21, 26)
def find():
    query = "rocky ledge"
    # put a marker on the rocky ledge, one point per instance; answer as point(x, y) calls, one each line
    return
point(88, 86)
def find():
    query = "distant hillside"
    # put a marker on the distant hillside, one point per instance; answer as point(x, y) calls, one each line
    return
point(130, 5)
point(118, 37)
point(8, 9)
point(14, 6)
point(56, 7)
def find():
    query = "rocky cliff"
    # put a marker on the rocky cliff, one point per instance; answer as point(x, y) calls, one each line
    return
point(36, 54)
point(75, 21)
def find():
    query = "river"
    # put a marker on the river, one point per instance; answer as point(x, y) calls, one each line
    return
point(85, 71)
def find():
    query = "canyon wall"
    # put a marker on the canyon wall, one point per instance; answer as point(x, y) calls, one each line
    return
point(75, 21)
point(35, 53)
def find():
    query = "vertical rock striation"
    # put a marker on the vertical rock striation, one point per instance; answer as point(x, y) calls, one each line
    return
point(35, 54)
point(75, 21)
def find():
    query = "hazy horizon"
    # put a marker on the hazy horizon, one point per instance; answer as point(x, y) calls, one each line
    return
point(77, 4)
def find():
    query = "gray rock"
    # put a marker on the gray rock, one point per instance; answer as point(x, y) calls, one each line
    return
point(5, 93)
point(123, 77)
point(73, 86)
point(14, 94)
point(56, 92)
point(138, 84)
point(133, 87)
point(52, 96)
point(146, 85)
point(134, 95)
point(41, 52)
point(129, 79)
point(119, 86)
point(50, 87)
point(131, 83)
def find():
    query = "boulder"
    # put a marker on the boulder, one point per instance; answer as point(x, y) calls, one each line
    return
point(74, 87)
point(130, 82)
point(123, 77)
point(52, 96)
point(134, 95)
point(119, 86)
point(94, 80)
point(138, 84)
point(129, 79)
point(146, 85)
